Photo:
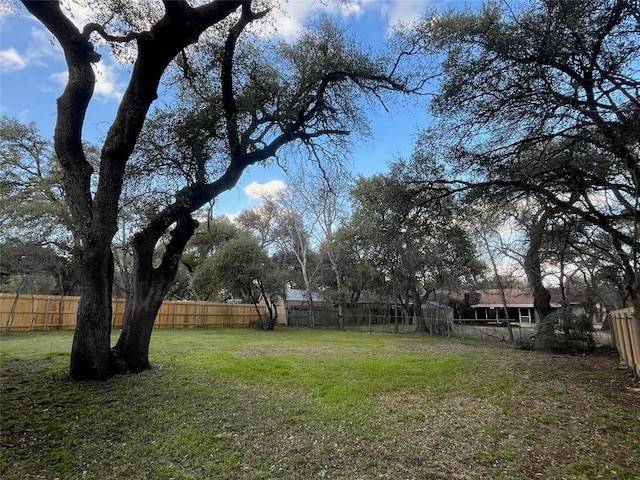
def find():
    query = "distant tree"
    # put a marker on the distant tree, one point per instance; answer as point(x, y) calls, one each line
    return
point(36, 268)
point(384, 234)
point(293, 238)
point(206, 240)
point(358, 272)
point(241, 266)
point(324, 193)
point(413, 242)
point(597, 263)
point(296, 220)
point(32, 208)
point(541, 99)
point(35, 236)
point(259, 223)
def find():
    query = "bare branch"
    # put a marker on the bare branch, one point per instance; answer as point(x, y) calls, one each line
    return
point(96, 27)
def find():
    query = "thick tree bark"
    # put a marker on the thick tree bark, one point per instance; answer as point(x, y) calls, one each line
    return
point(149, 287)
point(533, 268)
point(90, 353)
point(95, 217)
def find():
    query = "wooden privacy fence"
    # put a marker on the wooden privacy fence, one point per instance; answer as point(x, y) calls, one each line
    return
point(45, 312)
point(626, 333)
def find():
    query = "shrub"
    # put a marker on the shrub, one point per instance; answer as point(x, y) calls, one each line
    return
point(563, 332)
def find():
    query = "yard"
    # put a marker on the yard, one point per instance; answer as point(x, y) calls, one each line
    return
point(314, 404)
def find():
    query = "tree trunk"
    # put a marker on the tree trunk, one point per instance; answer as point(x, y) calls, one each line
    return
point(533, 268)
point(541, 298)
point(338, 276)
point(91, 351)
point(272, 315)
point(95, 216)
point(340, 301)
point(141, 307)
point(272, 310)
point(148, 290)
point(418, 314)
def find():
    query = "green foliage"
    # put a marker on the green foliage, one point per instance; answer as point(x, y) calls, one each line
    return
point(35, 239)
point(207, 239)
point(241, 267)
point(564, 332)
point(32, 207)
point(234, 267)
point(410, 238)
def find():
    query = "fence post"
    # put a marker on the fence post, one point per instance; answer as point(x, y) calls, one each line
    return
point(12, 312)
point(46, 314)
point(635, 342)
point(33, 312)
point(626, 333)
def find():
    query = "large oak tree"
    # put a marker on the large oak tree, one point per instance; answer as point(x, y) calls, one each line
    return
point(249, 108)
point(539, 101)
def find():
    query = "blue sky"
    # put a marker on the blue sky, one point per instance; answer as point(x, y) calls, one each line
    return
point(32, 76)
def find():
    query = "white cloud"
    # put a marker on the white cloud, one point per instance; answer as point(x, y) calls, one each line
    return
point(106, 82)
point(43, 49)
point(401, 12)
point(106, 87)
point(257, 190)
point(289, 19)
point(60, 78)
point(11, 60)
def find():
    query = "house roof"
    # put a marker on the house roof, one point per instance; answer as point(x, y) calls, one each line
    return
point(434, 304)
point(299, 295)
point(523, 297)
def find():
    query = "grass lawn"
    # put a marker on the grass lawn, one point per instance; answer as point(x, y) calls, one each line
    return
point(310, 404)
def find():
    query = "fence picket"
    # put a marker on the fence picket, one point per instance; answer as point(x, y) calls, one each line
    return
point(626, 333)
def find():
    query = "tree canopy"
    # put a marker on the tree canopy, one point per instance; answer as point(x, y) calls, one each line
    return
point(240, 100)
point(540, 101)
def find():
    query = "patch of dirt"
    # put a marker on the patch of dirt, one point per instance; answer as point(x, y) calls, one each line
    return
point(600, 372)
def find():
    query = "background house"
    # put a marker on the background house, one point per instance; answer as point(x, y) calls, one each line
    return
point(487, 304)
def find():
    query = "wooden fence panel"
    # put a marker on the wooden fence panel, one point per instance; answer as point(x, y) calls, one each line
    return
point(117, 314)
point(37, 312)
point(48, 312)
point(626, 333)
